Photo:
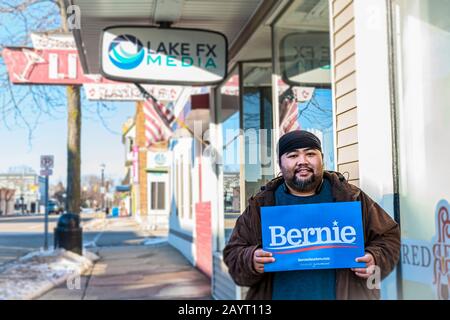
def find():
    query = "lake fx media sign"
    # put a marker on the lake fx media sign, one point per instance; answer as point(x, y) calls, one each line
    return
point(163, 55)
point(313, 236)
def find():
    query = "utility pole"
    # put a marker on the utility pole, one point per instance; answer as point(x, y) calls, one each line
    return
point(102, 189)
point(47, 164)
point(46, 214)
point(22, 188)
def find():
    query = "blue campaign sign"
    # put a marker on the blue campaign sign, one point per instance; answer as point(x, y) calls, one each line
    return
point(313, 236)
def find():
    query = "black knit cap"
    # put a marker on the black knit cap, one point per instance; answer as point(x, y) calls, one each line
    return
point(297, 139)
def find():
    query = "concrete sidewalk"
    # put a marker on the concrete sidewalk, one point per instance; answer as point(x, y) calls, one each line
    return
point(137, 272)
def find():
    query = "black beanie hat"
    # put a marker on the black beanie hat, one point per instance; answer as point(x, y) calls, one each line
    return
point(297, 139)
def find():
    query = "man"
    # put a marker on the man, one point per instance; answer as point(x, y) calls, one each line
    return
point(304, 181)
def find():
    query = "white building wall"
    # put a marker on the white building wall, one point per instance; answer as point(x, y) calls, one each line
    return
point(181, 228)
point(373, 100)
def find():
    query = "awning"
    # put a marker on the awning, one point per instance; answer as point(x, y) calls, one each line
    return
point(123, 188)
point(199, 111)
point(240, 21)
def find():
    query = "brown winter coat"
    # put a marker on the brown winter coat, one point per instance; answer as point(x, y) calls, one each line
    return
point(381, 238)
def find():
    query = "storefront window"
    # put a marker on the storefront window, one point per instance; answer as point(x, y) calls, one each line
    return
point(157, 196)
point(422, 50)
point(302, 65)
point(257, 126)
point(229, 118)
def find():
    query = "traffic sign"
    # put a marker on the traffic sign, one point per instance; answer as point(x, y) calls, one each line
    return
point(46, 172)
point(47, 162)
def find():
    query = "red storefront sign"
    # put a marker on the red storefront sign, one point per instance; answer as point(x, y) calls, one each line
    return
point(58, 67)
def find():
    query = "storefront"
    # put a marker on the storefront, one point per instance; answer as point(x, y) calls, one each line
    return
point(421, 40)
point(369, 77)
point(390, 79)
point(281, 83)
point(158, 165)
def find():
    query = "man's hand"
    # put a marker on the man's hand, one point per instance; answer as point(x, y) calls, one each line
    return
point(366, 272)
point(260, 257)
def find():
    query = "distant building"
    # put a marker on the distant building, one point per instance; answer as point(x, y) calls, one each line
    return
point(6, 201)
point(26, 195)
point(128, 202)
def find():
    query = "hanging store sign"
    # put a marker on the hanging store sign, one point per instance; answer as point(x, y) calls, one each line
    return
point(163, 55)
point(53, 41)
point(305, 59)
point(31, 66)
point(129, 92)
point(135, 164)
point(158, 160)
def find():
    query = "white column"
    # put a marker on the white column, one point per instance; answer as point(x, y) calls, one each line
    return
point(374, 119)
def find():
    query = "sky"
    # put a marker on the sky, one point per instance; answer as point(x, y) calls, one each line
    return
point(101, 141)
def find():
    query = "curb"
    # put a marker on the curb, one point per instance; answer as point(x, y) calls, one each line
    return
point(56, 283)
point(49, 284)
point(47, 287)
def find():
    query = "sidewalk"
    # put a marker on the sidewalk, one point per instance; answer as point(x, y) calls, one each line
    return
point(137, 272)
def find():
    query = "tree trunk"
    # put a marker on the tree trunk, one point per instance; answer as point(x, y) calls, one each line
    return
point(73, 193)
point(73, 190)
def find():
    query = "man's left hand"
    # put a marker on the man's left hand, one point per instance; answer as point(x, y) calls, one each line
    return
point(369, 269)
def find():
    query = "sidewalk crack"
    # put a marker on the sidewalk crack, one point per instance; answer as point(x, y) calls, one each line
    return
point(89, 278)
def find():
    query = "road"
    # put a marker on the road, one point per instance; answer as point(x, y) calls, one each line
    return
point(20, 235)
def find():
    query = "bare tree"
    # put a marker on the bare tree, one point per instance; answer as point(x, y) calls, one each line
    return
point(24, 9)
point(25, 106)
point(91, 195)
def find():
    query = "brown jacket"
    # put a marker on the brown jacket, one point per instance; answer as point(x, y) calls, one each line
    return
point(381, 238)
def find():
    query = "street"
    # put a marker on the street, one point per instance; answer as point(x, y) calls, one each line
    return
point(22, 234)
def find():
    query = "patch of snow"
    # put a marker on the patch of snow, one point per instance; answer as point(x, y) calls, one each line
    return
point(39, 271)
point(90, 255)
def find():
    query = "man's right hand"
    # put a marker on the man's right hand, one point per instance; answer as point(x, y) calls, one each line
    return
point(260, 257)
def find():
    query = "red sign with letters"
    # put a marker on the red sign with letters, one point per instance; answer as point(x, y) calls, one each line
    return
point(58, 67)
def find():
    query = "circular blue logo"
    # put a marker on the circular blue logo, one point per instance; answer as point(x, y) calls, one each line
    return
point(126, 52)
point(160, 159)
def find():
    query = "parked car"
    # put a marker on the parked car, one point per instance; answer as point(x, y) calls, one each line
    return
point(87, 210)
point(54, 207)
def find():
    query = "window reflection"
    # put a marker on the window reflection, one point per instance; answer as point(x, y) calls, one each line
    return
point(229, 119)
point(257, 125)
point(304, 75)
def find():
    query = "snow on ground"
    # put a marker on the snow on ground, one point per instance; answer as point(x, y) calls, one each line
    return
point(37, 272)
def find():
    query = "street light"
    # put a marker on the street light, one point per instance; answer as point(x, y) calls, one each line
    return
point(22, 204)
point(102, 189)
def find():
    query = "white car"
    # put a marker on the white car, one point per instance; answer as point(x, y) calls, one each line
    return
point(87, 210)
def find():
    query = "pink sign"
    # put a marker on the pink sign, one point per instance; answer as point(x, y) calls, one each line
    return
point(58, 67)
point(135, 164)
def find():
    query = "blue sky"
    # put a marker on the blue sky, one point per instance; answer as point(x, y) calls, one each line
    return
point(100, 143)
point(101, 125)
